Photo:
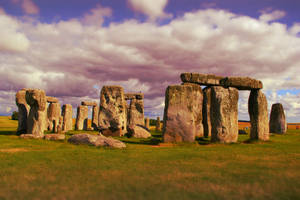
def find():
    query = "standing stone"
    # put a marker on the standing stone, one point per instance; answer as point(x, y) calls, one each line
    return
point(60, 124)
point(158, 125)
point(224, 114)
point(82, 118)
point(181, 102)
point(136, 112)
point(112, 114)
point(147, 123)
point(36, 122)
point(67, 113)
point(277, 119)
point(23, 110)
point(206, 111)
point(53, 114)
point(258, 111)
point(95, 119)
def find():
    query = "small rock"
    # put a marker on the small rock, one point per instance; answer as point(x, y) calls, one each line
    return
point(138, 132)
point(55, 137)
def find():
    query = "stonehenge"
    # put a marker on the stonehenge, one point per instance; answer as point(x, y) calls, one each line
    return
point(189, 112)
point(158, 125)
point(81, 118)
point(53, 114)
point(277, 122)
point(147, 123)
point(95, 113)
point(67, 113)
point(23, 111)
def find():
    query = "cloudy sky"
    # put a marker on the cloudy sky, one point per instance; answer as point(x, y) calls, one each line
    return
point(72, 48)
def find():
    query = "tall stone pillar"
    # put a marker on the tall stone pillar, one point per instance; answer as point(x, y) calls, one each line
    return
point(147, 123)
point(95, 119)
point(181, 104)
point(277, 119)
point(158, 125)
point(112, 113)
point(67, 113)
point(224, 114)
point(206, 111)
point(258, 111)
point(82, 118)
point(53, 113)
point(36, 120)
point(23, 111)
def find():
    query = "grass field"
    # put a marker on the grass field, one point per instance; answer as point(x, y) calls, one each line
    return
point(38, 169)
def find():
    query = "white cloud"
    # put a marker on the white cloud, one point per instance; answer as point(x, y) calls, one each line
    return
point(69, 58)
point(96, 15)
point(268, 16)
point(152, 9)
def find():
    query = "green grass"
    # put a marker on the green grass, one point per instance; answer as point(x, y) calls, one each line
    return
point(39, 169)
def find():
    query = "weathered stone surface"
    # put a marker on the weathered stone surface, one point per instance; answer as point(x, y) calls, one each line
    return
point(258, 112)
point(224, 114)
point(36, 121)
point(89, 103)
point(95, 119)
point(67, 113)
point(202, 79)
point(241, 83)
point(138, 131)
point(96, 140)
point(206, 111)
point(112, 114)
point(147, 123)
point(60, 124)
point(23, 111)
point(82, 118)
point(179, 117)
point(277, 119)
point(31, 136)
point(52, 99)
point(158, 124)
point(136, 112)
point(55, 137)
point(130, 96)
point(53, 113)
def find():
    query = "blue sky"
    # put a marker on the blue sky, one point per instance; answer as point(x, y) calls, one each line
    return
point(72, 48)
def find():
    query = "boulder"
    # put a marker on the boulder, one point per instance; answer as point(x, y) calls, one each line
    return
point(112, 114)
point(31, 136)
point(138, 132)
point(224, 114)
point(53, 113)
point(206, 111)
point(52, 99)
point(181, 103)
point(82, 118)
point(258, 112)
point(136, 112)
point(89, 103)
point(36, 121)
point(67, 114)
point(95, 120)
point(241, 83)
point(277, 122)
point(96, 140)
point(23, 111)
point(201, 79)
point(55, 137)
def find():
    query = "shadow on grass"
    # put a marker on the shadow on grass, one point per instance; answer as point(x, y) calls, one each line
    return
point(152, 141)
point(8, 133)
point(203, 140)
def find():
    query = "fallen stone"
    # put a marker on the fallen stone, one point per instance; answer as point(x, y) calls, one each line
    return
point(52, 99)
point(96, 140)
point(138, 132)
point(201, 79)
point(67, 113)
point(112, 114)
point(36, 121)
point(82, 118)
point(258, 112)
point(241, 83)
point(181, 101)
point(30, 136)
point(23, 111)
point(130, 96)
point(89, 103)
point(55, 137)
point(277, 122)
point(224, 114)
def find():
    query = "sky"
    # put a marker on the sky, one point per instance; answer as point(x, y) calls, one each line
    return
point(72, 48)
